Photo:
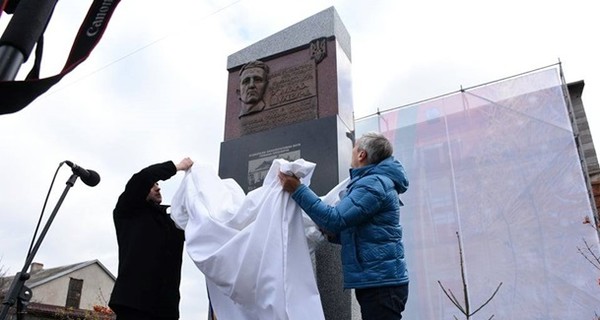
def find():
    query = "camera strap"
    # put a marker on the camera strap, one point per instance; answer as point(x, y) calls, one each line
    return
point(16, 95)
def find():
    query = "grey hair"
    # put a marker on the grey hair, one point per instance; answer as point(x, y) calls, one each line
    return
point(376, 146)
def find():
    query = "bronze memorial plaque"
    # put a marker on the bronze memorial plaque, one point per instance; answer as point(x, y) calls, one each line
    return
point(290, 96)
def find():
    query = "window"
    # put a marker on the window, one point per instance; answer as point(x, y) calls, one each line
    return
point(74, 293)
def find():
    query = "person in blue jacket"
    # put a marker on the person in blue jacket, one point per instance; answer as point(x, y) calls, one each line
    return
point(366, 222)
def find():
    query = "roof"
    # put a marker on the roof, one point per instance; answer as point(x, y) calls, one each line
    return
point(46, 275)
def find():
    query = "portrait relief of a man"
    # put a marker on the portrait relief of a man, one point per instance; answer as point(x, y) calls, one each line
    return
point(253, 84)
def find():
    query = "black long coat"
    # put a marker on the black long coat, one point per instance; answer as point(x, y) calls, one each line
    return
point(150, 248)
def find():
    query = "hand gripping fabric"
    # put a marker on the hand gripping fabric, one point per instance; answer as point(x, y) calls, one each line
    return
point(253, 249)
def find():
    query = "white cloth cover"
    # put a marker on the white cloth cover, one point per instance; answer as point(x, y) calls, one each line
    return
point(253, 249)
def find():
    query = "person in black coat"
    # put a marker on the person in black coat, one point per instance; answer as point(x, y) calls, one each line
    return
point(150, 248)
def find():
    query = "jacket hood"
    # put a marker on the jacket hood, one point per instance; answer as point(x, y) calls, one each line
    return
point(388, 167)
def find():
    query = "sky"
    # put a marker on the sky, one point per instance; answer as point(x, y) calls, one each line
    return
point(154, 89)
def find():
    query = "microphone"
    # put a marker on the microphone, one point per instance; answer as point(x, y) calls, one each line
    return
point(89, 177)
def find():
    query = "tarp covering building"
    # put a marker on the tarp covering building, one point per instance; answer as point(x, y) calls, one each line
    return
point(498, 165)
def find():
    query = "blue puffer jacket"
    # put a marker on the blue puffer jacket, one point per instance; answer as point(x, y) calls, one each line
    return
point(367, 221)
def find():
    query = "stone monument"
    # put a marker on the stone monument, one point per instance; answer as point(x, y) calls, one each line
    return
point(289, 96)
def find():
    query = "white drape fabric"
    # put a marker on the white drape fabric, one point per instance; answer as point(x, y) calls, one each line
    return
point(253, 249)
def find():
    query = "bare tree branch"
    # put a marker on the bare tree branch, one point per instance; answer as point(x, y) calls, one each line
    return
point(488, 300)
point(462, 274)
point(452, 298)
point(466, 309)
point(596, 264)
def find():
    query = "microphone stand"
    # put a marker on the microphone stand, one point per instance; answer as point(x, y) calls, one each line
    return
point(19, 293)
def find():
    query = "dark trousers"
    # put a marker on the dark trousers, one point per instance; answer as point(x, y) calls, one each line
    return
point(382, 303)
point(124, 313)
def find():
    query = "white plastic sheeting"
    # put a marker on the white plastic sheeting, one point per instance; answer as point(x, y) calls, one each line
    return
point(499, 165)
point(253, 249)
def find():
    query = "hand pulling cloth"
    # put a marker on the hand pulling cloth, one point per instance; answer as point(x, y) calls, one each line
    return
point(253, 249)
